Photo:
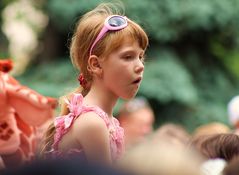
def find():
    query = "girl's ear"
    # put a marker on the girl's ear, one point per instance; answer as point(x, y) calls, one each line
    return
point(94, 65)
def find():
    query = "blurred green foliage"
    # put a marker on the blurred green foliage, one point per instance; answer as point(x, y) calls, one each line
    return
point(3, 40)
point(167, 79)
point(192, 68)
point(52, 79)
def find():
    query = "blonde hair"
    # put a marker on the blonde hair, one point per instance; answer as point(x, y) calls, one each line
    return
point(211, 128)
point(174, 133)
point(160, 158)
point(85, 33)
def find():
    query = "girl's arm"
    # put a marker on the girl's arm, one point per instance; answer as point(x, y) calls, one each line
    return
point(92, 134)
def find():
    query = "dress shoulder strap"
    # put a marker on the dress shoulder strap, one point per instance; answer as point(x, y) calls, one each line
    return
point(76, 108)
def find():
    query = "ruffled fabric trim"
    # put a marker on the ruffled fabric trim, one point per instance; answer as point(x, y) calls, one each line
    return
point(76, 108)
point(63, 123)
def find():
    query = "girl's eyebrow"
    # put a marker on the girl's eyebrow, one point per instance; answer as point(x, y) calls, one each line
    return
point(131, 50)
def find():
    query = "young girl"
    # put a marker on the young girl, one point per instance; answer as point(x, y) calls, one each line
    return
point(108, 49)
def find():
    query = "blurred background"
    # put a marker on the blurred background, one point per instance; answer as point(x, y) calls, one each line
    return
point(192, 65)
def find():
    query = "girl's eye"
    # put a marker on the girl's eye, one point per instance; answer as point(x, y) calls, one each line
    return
point(128, 57)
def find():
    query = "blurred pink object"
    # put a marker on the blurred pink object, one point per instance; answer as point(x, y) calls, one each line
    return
point(22, 110)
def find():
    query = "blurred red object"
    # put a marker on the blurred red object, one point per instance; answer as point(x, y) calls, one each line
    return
point(22, 112)
point(6, 65)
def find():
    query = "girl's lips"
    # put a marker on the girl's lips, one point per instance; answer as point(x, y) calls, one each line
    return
point(138, 80)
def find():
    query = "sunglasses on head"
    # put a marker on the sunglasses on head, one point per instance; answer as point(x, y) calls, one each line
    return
point(114, 22)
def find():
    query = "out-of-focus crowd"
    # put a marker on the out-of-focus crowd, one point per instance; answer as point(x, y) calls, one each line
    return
point(212, 149)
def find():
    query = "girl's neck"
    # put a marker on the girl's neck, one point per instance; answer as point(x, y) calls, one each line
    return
point(101, 98)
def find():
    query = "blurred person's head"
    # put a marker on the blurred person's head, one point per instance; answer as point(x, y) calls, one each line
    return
point(173, 133)
point(137, 118)
point(160, 158)
point(224, 146)
point(211, 128)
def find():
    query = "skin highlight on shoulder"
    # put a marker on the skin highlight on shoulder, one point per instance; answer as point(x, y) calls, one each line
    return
point(92, 134)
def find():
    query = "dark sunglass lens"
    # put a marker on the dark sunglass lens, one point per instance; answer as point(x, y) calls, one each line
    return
point(116, 21)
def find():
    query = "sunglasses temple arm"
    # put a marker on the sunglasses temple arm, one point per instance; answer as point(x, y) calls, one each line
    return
point(100, 35)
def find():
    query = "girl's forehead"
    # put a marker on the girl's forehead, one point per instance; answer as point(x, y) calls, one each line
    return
point(129, 43)
point(122, 40)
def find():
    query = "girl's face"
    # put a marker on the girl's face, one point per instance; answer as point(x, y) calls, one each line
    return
point(123, 69)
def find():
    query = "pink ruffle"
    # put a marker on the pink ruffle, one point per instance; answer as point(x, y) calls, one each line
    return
point(76, 108)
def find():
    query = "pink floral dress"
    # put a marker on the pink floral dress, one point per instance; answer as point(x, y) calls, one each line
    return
point(76, 107)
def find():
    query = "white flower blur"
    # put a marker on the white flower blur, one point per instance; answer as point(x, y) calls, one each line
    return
point(22, 23)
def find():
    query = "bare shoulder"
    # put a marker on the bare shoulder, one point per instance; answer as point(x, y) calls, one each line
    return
point(91, 132)
point(89, 123)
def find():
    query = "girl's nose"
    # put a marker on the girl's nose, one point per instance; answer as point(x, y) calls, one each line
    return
point(139, 67)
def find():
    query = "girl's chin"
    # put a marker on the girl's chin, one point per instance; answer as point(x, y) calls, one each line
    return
point(128, 97)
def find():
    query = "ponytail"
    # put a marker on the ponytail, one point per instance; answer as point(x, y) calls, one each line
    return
point(48, 139)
